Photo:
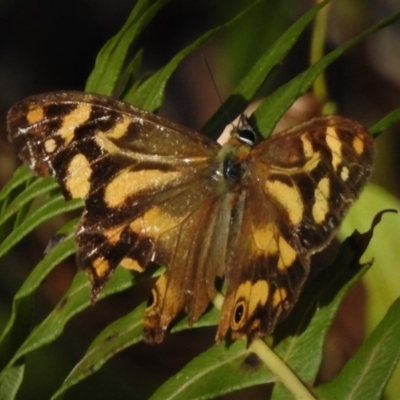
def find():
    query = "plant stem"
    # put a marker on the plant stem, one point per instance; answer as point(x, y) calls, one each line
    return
point(316, 53)
point(282, 371)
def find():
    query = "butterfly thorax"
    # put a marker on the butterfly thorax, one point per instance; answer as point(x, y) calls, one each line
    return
point(235, 154)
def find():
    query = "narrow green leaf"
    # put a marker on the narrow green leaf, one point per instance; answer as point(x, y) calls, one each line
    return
point(19, 324)
point(55, 206)
point(247, 88)
point(76, 299)
point(215, 372)
point(386, 122)
point(54, 257)
point(10, 383)
point(21, 176)
point(382, 284)
point(366, 374)
point(150, 94)
point(130, 77)
point(37, 188)
point(273, 107)
point(17, 328)
point(110, 60)
point(303, 352)
point(117, 336)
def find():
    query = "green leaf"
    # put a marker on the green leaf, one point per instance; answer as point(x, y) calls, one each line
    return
point(247, 88)
point(111, 58)
point(274, 107)
point(150, 94)
point(366, 374)
point(382, 284)
point(10, 383)
point(37, 188)
point(216, 371)
point(122, 333)
point(303, 351)
point(17, 328)
point(386, 122)
point(119, 335)
point(76, 299)
point(19, 324)
point(21, 176)
point(55, 206)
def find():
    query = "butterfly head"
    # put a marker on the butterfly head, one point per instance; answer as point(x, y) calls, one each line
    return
point(244, 133)
point(236, 151)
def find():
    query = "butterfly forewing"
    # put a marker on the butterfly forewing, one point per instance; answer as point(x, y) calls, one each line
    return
point(138, 173)
point(157, 192)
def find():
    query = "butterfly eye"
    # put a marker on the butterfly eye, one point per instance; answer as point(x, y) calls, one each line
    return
point(151, 299)
point(247, 135)
point(239, 313)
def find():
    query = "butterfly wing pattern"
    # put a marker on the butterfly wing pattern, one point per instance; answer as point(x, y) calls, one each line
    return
point(300, 184)
point(157, 192)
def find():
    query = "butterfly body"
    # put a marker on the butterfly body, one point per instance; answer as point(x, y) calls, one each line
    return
point(251, 213)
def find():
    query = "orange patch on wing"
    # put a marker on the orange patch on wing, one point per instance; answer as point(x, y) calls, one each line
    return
point(358, 145)
point(101, 266)
point(79, 172)
point(128, 183)
point(155, 222)
point(35, 114)
point(71, 121)
point(289, 198)
point(287, 254)
point(130, 263)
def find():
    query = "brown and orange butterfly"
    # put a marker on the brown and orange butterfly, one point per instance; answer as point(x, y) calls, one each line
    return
point(250, 212)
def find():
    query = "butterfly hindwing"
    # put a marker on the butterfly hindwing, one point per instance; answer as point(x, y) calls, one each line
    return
point(301, 183)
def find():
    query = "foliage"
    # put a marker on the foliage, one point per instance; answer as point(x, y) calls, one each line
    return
point(298, 342)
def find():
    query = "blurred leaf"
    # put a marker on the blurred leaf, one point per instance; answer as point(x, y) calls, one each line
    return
point(21, 176)
point(274, 107)
point(76, 299)
point(386, 122)
point(54, 206)
point(382, 282)
point(10, 383)
point(216, 371)
point(19, 324)
point(120, 334)
point(247, 88)
point(35, 189)
point(111, 58)
point(315, 313)
point(366, 374)
point(150, 95)
point(116, 337)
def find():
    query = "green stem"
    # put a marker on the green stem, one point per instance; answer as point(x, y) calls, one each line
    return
point(282, 371)
point(316, 53)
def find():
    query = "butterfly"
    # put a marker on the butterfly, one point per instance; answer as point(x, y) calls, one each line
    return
point(249, 213)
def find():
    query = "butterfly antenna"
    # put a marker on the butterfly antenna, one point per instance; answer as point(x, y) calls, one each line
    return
point(229, 118)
